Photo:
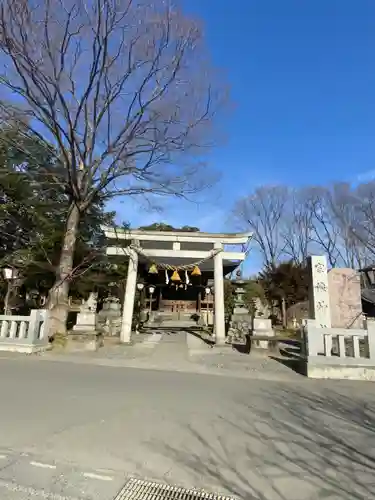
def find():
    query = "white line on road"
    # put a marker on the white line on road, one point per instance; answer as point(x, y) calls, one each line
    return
point(3, 457)
point(91, 475)
point(43, 466)
point(32, 493)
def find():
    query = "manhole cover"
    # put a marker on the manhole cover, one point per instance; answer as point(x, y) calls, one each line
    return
point(138, 489)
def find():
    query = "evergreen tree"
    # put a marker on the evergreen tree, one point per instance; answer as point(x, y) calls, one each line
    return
point(33, 205)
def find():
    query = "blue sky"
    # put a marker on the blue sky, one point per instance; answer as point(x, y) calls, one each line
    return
point(302, 78)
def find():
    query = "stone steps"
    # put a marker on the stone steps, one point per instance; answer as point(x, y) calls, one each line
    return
point(172, 324)
point(166, 319)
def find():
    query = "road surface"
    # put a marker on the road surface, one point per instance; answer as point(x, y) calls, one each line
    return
point(78, 431)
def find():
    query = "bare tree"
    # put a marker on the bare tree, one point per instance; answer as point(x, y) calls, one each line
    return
point(123, 90)
point(325, 233)
point(333, 217)
point(262, 213)
point(298, 225)
point(350, 209)
point(363, 221)
point(354, 209)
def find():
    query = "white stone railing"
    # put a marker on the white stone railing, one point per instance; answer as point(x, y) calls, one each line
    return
point(23, 333)
point(340, 342)
point(338, 353)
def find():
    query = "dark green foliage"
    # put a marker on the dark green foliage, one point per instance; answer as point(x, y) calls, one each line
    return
point(253, 290)
point(33, 207)
point(162, 226)
point(288, 281)
point(228, 298)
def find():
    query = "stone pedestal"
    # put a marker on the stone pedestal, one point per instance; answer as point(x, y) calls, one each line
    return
point(112, 327)
point(207, 318)
point(86, 318)
point(84, 336)
point(263, 327)
point(86, 322)
point(85, 341)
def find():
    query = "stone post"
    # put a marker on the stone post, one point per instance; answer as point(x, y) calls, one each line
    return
point(319, 305)
point(131, 284)
point(219, 318)
point(371, 337)
point(32, 333)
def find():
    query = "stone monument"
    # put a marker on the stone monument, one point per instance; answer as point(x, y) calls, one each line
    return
point(240, 321)
point(240, 308)
point(319, 303)
point(110, 318)
point(86, 318)
point(243, 323)
point(84, 336)
point(345, 298)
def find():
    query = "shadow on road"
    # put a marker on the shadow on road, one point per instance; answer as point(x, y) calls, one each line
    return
point(293, 445)
point(293, 364)
point(201, 335)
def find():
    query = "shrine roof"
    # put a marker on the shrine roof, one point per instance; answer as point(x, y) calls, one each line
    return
point(138, 234)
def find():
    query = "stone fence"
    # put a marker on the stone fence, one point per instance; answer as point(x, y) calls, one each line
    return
point(25, 334)
point(338, 352)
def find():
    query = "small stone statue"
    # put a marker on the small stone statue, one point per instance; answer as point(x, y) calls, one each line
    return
point(89, 305)
point(238, 332)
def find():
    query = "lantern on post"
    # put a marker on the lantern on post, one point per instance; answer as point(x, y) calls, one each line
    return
point(140, 288)
point(10, 275)
point(151, 290)
point(207, 292)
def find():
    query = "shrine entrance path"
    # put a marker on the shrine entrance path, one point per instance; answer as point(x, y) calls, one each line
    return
point(171, 353)
point(184, 351)
point(178, 351)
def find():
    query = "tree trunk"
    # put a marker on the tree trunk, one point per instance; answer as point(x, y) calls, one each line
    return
point(59, 293)
point(7, 310)
point(283, 312)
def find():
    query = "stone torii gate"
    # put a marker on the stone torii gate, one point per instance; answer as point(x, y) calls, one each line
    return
point(177, 249)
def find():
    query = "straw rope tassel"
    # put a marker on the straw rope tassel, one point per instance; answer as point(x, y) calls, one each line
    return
point(175, 276)
point(154, 269)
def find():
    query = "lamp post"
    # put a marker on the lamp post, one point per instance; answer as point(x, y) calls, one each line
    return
point(151, 290)
point(10, 274)
point(140, 287)
point(207, 292)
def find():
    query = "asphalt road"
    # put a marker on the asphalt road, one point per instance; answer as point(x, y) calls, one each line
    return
point(70, 431)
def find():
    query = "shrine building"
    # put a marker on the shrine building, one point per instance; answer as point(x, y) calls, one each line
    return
point(184, 271)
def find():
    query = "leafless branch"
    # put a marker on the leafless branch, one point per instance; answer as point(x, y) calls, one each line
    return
point(262, 213)
point(297, 225)
point(122, 88)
